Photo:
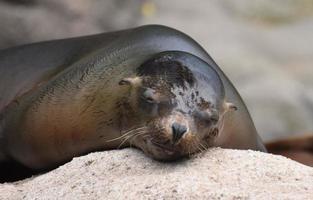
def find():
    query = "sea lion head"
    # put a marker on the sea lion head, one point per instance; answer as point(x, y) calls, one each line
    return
point(177, 100)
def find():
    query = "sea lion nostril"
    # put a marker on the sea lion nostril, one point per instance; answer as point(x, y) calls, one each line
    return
point(178, 131)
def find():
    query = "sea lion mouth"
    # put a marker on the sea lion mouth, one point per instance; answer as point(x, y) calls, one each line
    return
point(164, 151)
point(171, 150)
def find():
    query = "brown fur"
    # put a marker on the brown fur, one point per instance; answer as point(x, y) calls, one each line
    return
point(63, 103)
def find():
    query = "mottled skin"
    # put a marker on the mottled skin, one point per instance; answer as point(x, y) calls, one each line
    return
point(65, 98)
point(179, 103)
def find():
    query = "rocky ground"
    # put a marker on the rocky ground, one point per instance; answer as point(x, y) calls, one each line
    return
point(129, 174)
point(264, 46)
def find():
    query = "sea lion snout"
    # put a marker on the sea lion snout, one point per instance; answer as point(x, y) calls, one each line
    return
point(178, 130)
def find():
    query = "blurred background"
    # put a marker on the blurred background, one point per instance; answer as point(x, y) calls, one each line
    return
point(264, 46)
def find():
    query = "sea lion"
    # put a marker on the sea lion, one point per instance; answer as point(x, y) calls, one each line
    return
point(152, 87)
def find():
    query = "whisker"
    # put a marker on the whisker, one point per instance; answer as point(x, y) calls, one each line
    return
point(142, 133)
point(204, 147)
point(200, 148)
point(221, 123)
point(193, 145)
point(129, 137)
point(156, 142)
point(125, 139)
point(127, 133)
point(146, 136)
point(222, 126)
point(131, 129)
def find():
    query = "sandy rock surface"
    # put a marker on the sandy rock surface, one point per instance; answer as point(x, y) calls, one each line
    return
point(129, 174)
point(264, 46)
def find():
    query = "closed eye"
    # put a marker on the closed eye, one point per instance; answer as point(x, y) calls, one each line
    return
point(207, 117)
point(214, 117)
point(149, 96)
point(149, 99)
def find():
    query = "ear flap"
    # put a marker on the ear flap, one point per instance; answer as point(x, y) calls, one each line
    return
point(124, 81)
point(130, 81)
point(230, 106)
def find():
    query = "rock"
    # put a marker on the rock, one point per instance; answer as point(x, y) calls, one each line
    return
point(271, 12)
point(30, 21)
point(129, 174)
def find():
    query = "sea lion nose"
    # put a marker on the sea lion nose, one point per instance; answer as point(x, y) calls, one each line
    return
point(178, 131)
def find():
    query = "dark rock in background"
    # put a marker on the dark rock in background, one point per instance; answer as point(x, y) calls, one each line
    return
point(25, 21)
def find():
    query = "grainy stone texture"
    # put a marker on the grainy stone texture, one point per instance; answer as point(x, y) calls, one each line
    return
point(264, 46)
point(129, 174)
